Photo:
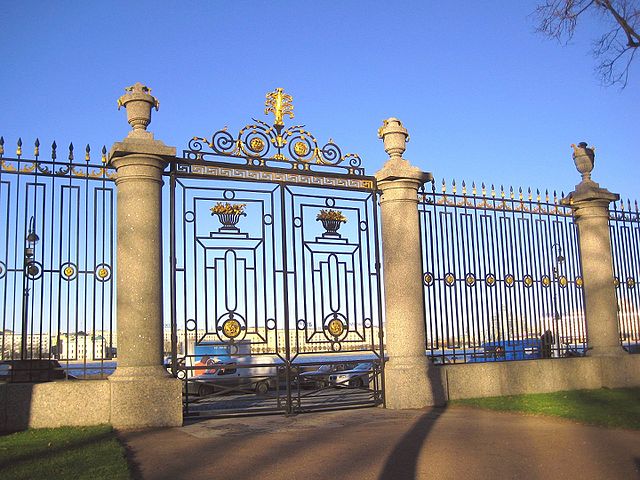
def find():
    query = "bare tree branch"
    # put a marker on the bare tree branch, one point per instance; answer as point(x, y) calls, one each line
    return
point(632, 36)
point(615, 49)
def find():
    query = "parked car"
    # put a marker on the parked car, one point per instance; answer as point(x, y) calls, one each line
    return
point(223, 368)
point(357, 377)
point(319, 378)
point(32, 371)
point(233, 378)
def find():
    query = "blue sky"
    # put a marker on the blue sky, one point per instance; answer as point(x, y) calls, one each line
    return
point(482, 95)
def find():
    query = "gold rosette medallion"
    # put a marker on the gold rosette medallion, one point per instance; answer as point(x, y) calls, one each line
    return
point(335, 327)
point(231, 328)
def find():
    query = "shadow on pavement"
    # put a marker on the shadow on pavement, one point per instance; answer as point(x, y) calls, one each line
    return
point(403, 459)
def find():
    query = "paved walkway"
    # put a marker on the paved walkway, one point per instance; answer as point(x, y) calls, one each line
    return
point(455, 443)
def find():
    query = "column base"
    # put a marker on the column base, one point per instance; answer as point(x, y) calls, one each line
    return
point(412, 383)
point(608, 351)
point(145, 397)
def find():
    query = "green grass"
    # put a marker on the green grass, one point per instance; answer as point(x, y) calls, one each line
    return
point(63, 453)
point(616, 408)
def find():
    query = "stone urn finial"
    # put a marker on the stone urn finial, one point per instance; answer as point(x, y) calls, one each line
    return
point(138, 101)
point(584, 158)
point(394, 136)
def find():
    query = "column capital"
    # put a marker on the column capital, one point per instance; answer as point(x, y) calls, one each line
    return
point(590, 200)
point(143, 161)
point(141, 147)
point(398, 169)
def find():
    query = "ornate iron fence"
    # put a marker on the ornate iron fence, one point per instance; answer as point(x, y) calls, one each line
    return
point(624, 225)
point(57, 249)
point(502, 277)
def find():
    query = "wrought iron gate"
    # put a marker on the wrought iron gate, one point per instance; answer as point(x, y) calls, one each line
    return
point(275, 272)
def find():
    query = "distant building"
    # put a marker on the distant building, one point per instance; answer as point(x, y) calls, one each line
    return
point(83, 346)
point(39, 346)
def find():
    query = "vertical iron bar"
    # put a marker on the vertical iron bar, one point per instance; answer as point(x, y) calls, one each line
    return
point(172, 269)
point(285, 288)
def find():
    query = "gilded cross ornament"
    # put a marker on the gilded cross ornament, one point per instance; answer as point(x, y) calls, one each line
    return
point(280, 104)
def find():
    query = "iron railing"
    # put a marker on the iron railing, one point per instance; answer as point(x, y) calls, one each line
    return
point(624, 225)
point(502, 278)
point(57, 251)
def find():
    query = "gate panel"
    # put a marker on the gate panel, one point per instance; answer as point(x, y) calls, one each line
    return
point(335, 301)
point(274, 273)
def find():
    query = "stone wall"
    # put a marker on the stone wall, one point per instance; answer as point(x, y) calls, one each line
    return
point(538, 376)
point(90, 402)
point(54, 404)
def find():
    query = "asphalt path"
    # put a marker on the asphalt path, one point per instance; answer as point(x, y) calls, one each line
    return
point(373, 443)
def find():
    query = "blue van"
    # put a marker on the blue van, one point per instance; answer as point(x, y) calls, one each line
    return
point(526, 349)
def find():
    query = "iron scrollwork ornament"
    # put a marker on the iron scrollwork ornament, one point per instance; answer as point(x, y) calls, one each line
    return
point(293, 147)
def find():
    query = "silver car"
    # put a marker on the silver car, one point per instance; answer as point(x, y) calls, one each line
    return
point(357, 377)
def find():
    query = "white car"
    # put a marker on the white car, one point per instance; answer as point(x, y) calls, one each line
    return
point(357, 377)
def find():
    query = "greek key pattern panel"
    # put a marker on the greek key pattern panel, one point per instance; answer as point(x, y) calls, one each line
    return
point(216, 171)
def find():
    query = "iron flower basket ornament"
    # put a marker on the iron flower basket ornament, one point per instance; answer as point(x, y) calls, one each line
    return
point(331, 221)
point(229, 215)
